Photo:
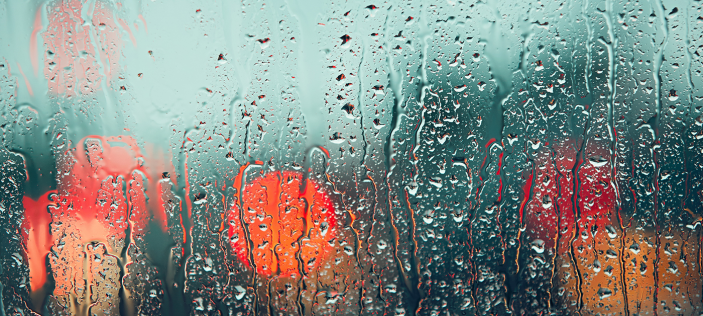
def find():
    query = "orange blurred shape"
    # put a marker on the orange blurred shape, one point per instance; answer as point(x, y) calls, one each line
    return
point(282, 222)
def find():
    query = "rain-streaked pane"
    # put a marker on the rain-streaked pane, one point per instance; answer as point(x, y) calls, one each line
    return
point(406, 157)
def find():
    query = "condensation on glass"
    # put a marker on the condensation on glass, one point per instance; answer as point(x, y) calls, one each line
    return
point(404, 157)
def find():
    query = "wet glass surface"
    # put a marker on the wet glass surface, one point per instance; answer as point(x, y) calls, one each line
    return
point(314, 157)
